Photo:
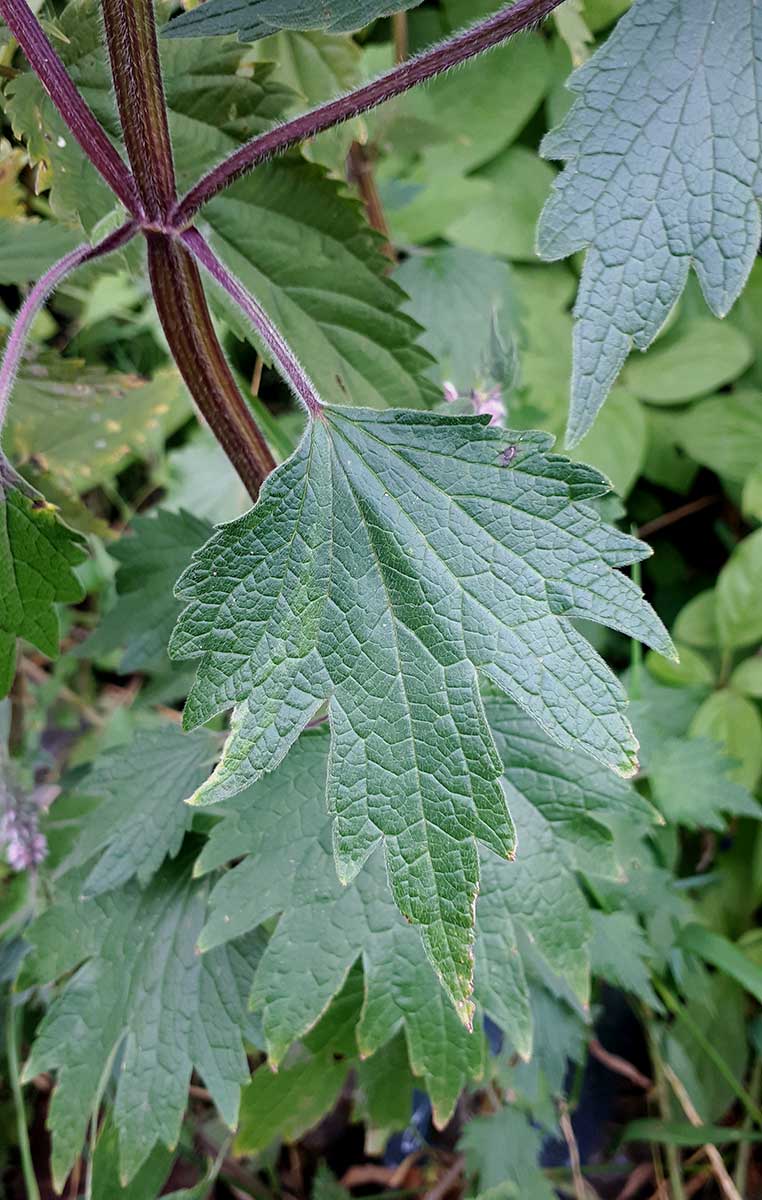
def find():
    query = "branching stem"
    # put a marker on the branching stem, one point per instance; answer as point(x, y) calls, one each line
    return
point(442, 57)
point(131, 38)
point(80, 119)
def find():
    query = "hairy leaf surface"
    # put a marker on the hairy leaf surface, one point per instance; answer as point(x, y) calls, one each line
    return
point(253, 19)
point(390, 558)
point(37, 556)
point(663, 172)
point(143, 992)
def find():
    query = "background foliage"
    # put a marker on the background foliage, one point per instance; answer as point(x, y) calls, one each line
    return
point(627, 924)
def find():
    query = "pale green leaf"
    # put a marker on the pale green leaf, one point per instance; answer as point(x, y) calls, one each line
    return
point(747, 677)
point(697, 358)
point(662, 147)
point(83, 425)
point(504, 221)
point(337, 587)
point(734, 722)
point(28, 248)
point(739, 586)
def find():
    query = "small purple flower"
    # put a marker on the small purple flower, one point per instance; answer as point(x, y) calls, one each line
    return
point(25, 846)
point(489, 404)
point(451, 393)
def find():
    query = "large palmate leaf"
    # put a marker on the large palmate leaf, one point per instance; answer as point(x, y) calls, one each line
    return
point(252, 19)
point(151, 558)
point(663, 153)
point(282, 832)
point(37, 556)
point(389, 558)
point(142, 992)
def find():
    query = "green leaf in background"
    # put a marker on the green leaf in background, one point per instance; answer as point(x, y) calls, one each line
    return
point(734, 722)
point(150, 559)
point(682, 1133)
point(723, 954)
point(739, 586)
point(661, 118)
point(747, 677)
point(252, 19)
point(724, 433)
point(504, 1147)
point(504, 221)
point(360, 597)
point(82, 425)
point(28, 248)
point(620, 954)
point(142, 817)
point(148, 1183)
point(699, 357)
point(692, 785)
point(458, 296)
point(616, 445)
point(37, 556)
point(142, 992)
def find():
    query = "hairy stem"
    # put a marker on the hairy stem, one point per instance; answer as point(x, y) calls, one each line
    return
point(38, 296)
point(88, 131)
point(187, 323)
point(442, 57)
point(283, 356)
point(131, 38)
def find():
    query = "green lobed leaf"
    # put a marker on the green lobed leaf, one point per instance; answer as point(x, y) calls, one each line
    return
point(692, 784)
point(390, 558)
point(37, 556)
point(621, 955)
point(283, 830)
point(141, 992)
point(151, 557)
point(252, 19)
point(142, 817)
point(504, 1147)
point(662, 149)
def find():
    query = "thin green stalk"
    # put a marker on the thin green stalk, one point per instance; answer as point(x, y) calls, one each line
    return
point(12, 1053)
point(672, 1153)
point(744, 1150)
point(676, 1008)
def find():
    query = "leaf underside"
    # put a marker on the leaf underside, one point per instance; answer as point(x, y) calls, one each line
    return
point(663, 158)
point(386, 563)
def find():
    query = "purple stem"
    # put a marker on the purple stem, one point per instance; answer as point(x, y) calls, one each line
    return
point(442, 57)
point(80, 119)
point(36, 299)
point(282, 353)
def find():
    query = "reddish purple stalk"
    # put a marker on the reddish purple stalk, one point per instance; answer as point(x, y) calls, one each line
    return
point(282, 353)
point(149, 196)
point(80, 119)
point(443, 57)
